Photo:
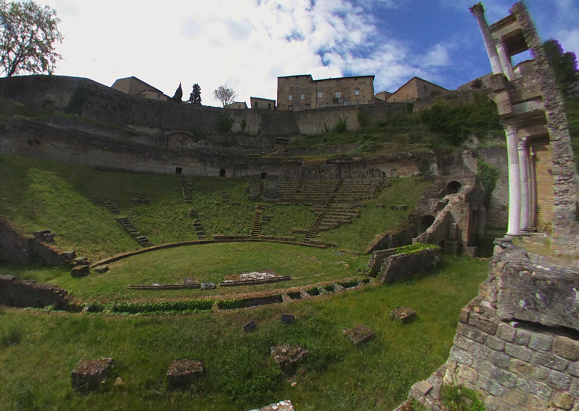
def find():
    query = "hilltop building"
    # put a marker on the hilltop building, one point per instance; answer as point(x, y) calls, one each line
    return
point(262, 103)
point(417, 89)
point(136, 87)
point(237, 105)
point(302, 92)
point(382, 96)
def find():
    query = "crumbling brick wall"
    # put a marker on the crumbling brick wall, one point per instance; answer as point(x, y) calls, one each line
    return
point(25, 293)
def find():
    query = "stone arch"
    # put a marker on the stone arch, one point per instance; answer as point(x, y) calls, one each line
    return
point(263, 175)
point(425, 222)
point(222, 172)
point(453, 187)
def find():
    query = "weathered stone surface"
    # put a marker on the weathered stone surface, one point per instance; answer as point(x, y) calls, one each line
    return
point(522, 337)
point(181, 372)
point(287, 356)
point(566, 348)
point(517, 351)
point(527, 370)
point(538, 389)
point(280, 406)
point(506, 332)
point(563, 400)
point(80, 261)
point(423, 386)
point(101, 269)
point(80, 271)
point(541, 342)
point(495, 343)
point(471, 332)
point(88, 374)
point(403, 314)
point(573, 369)
point(359, 334)
point(559, 379)
point(550, 361)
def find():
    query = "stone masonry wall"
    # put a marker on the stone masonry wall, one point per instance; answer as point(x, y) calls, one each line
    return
point(24, 293)
point(405, 266)
point(517, 343)
point(545, 194)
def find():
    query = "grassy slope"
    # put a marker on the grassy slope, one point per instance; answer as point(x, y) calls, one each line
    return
point(207, 263)
point(38, 351)
point(39, 194)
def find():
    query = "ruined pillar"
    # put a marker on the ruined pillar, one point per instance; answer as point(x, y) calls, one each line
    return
point(505, 60)
point(514, 227)
point(533, 187)
point(479, 13)
point(523, 151)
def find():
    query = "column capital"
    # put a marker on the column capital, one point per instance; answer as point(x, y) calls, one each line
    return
point(477, 10)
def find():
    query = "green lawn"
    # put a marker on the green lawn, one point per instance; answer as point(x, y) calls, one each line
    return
point(38, 351)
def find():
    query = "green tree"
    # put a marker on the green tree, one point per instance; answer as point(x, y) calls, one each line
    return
point(195, 96)
point(28, 37)
point(224, 94)
point(564, 65)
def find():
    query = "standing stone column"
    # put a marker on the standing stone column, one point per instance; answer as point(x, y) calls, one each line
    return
point(514, 227)
point(525, 222)
point(533, 187)
point(505, 60)
point(479, 13)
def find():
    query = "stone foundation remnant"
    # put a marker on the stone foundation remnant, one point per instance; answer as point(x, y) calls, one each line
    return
point(287, 356)
point(280, 406)
point(27, 293)
point(182, 372)
point(359, 334)
point(89, 374)
point(517, 343)
point(403, 314)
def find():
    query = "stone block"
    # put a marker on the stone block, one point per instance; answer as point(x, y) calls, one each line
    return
point(522, 337)
point(491, 386)
point(403, 314)
point(461, 356)
point(464, 343)
point(549, 360)
point(518, 351)
point(500, 376)
point(471, 332)
point(101, 269)
point(506, 332)
point(574, 388)
point(250, 327)
point(423, 387)
point(279, 406)
point(88, 374)
point(499, 359)
point(483, 324)
point(80, 271)
point(182, 372)
point(566, 348)
point(536, 388)
point(495, 343)
point(287, 356)
point(563, 400)
point(559, 379)
point(541, 342)
point(527, 370)
point(467, 374)
point(573, 369)
point(359, 334)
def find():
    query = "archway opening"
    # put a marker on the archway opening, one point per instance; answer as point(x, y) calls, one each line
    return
point(425, 222)
point(263, 175)
point(178, 170)
point(453, 187)
point(222, 172)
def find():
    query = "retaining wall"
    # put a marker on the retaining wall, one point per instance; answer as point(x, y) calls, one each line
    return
point(24, 293)
point(405, 266)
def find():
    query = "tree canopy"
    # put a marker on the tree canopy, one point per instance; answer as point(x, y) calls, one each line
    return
point(195, 96)
point(28, 38)
point(564, 65)
point(224, 94)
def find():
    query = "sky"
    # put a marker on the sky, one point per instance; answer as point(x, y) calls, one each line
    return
point(247, 44)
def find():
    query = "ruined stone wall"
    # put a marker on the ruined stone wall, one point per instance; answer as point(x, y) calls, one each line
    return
point(517, 343)
point(545, 193)
point(25, 293)
point(404, 266)
point(18, 248)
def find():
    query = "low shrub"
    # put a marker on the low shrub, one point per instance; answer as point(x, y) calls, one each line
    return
point(230, 304)
point(414, 248)
point(166, 306)
point(340, 126)
point(459, 398)
point(349, 284)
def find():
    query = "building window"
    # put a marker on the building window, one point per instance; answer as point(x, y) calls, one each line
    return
point(327, 104)
point(291, 85)
point(357, 101)
point(255, 104)
point(338, 94)
point(269, 106)
point(345, 102)
point(290, 97)
point(320, 94)
point(297, 84)
point(320, 105)
point(302, 96)
point(357, 92)
point(307, 106)
point(290, 108)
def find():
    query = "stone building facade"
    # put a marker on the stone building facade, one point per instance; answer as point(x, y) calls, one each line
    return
point(262, 103)
point(302, 92)
point(417, 89)
point(137, 87)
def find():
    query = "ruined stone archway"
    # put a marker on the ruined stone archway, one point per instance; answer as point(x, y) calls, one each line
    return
point(425, 222)
point(222, 172)
point(453, 187)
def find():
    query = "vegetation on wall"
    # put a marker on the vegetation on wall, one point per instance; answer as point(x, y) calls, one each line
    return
point(79, 97)
point(363, 118)
point(223, 123)
point(489, 175)
point(340, 126)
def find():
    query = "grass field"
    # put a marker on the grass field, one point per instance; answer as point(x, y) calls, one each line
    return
point(38, 351)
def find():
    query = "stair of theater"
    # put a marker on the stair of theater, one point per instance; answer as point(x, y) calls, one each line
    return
point(112, 207)
point(186, 187)
point(256, 227)
point(199, 230)
point(137, 236)
point(309, 238)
